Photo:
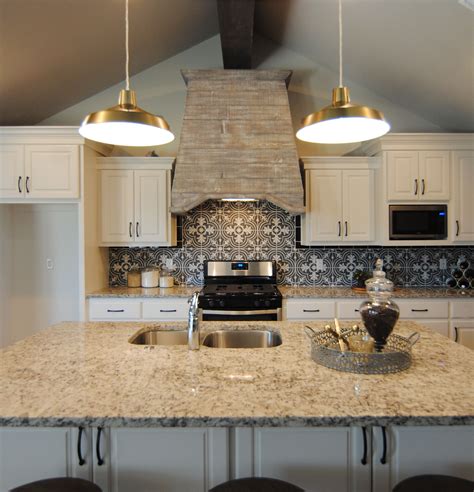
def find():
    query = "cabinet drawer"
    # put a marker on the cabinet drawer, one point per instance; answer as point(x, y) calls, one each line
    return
point(114, 309)
point(462, 309)
point(163, 309)
point(419, 308)
point(310, 309)
point(349, 309)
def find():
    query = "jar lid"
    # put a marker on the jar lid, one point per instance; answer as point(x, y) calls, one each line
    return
point(150, 269)
point(379, 284)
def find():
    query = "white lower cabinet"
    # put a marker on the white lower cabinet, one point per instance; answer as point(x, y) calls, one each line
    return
point(165, 460)
point(316, 459)
point(28, 454)
point(440, 450)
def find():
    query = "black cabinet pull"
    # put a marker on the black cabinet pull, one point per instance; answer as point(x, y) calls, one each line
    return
point(167, 310)
point(338, 227)
point(419, 310)
point(345, 228)
point(82, 461)
point(130, 225)
point(26, 184)
point(115, 310)
point(364, 455)
point(422, 186)
point(19, 184)
point(456, 334)
point(356, 310)
point(136, 230)
point(100, 460)
point(416, 187)
point(310, 310)
point(383, 459)
point(457, 228)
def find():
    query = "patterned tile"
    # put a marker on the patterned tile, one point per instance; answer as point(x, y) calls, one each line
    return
point(262, 231)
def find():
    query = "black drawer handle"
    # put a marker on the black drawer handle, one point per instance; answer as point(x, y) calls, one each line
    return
point(310, 310)
point(130, 225)
point(167, 310)
point(356, 310)
point(419, 310)
point(416, 187)
point(19, 184)
point(422, 186)
point(364, 455)
point(137, 230)
point(456, 334)
point(82, 461)
point(457, 228)
point(345, 228)
point(383, 459)
point(339, 228)
point(115, 310)
point(26, 184)
point(100, 460)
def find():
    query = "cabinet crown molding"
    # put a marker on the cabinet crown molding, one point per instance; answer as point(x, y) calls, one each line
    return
point(127, 162)
point(344, 162)
point(419, 141)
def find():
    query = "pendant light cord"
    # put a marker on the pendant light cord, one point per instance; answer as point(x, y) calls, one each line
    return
point(127, 57)
point(340, 43)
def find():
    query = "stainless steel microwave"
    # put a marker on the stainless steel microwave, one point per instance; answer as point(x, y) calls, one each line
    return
point(418, 222)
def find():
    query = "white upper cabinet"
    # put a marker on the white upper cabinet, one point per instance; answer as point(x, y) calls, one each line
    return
point(339, 200)
point(135, 201)
point(413, 175)
point(463, 199)
point(43, 171)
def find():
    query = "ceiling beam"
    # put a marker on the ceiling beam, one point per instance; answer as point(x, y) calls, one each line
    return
point(236, 29)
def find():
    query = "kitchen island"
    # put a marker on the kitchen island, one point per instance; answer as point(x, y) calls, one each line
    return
point(234, 410)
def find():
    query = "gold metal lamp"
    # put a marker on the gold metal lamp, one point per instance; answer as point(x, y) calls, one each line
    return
point(342, 122)
point(126, 124)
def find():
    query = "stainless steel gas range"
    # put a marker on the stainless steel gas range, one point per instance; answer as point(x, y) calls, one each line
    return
point(240, 290)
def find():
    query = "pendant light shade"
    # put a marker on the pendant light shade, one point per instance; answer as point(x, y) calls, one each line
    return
point(342, 122)
point(126, 124)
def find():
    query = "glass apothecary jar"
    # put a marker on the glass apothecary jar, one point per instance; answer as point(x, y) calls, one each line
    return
point(379, 313)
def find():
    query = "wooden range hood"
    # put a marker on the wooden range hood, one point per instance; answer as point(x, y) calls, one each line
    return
point(237, 140)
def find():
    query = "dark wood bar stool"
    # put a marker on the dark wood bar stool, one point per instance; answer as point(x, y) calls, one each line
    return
point(434, 483)
point(62, 484)
point(254, 484)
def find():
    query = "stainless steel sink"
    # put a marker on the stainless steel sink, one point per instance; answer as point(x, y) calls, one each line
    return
point(242, 339)
point(160, 337)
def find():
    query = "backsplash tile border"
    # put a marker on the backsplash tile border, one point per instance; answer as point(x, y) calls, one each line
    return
point(262, 231)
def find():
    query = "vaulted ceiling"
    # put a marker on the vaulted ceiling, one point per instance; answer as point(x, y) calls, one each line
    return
point(418, 54)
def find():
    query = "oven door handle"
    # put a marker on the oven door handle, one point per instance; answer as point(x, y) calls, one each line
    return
point(240, 313)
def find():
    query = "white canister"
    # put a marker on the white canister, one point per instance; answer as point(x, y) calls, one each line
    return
point(150, 277)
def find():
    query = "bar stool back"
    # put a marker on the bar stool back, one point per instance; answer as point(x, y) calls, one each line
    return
point(256, 484)
point(434, 483)
point(61, 484)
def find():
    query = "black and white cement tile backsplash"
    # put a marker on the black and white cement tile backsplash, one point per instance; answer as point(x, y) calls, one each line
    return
point(261, 231)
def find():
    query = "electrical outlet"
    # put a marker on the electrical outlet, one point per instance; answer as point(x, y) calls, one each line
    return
point(49, 264)
point(319, 264)
point(442, 264)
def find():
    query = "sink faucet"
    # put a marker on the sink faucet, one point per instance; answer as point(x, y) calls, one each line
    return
point(193, 322)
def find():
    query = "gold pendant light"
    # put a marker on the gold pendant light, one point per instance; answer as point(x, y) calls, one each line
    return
point(342, 122)
point(126, 124)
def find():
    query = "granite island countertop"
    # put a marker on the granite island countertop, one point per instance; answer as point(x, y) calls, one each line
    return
point(287, 291)
point(75, 374)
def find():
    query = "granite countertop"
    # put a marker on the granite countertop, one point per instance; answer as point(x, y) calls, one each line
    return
point(287, 292)
point(88, 374)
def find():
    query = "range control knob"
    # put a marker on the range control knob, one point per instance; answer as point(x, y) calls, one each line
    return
point(211, 304)
point(256, 303)
point(267, 303)
point(221, 303)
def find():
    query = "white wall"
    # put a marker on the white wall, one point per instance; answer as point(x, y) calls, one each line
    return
point(161, 89)
point(39, 297)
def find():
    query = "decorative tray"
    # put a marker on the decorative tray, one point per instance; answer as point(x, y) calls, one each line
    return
point(395, 356)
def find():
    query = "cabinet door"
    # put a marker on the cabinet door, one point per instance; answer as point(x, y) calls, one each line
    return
point(402, 175)
point(308, 309)
point(462, 331)
point(434, 175)
point(12, 180)
point(151, 207)
point(30, 454)
point(117, 219)
point(316, 459)
point(358, 207)
point(325, 206)
point(463, 164)
point(441, 326)
point(52, 171)
point(168, 460)
point(441, 450)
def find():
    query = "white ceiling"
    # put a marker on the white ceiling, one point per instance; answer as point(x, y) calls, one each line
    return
point(419, 54)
